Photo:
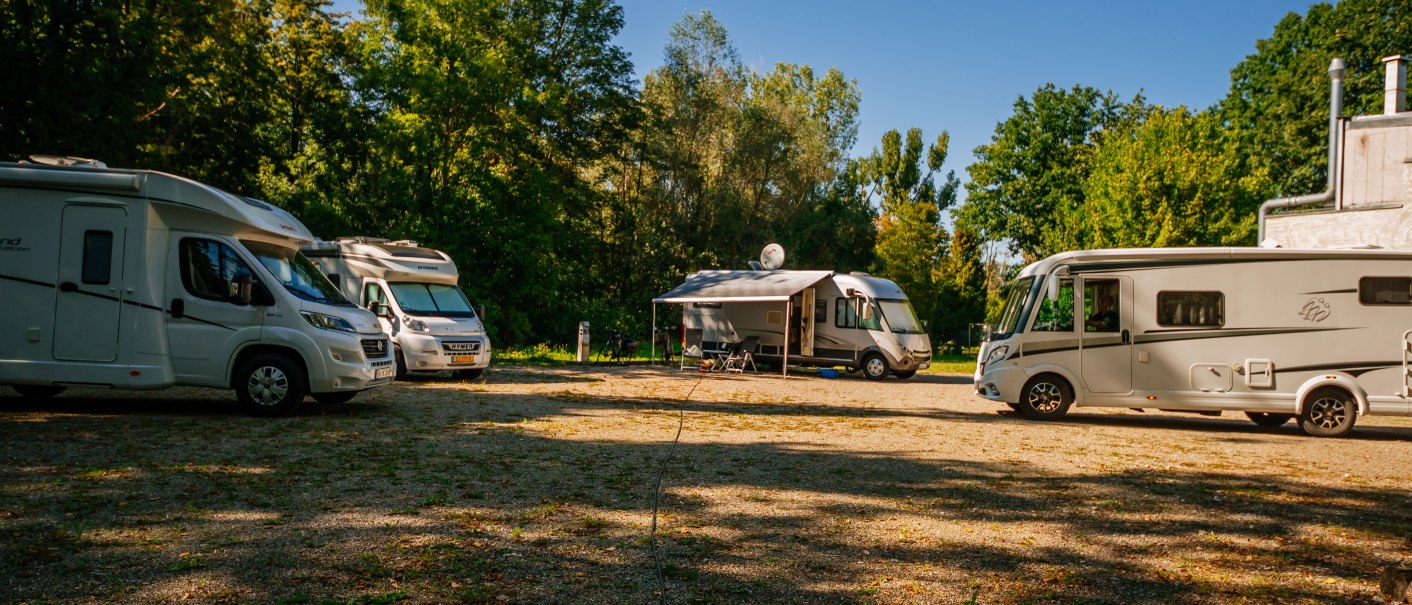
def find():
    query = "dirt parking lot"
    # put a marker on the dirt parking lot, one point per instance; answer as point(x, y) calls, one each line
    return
point(535, 485)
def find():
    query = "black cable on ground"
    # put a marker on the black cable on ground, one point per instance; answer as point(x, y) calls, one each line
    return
point(657, 487)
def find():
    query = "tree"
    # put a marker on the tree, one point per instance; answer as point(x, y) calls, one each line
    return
point(1027, 184)
point(910, 235)
point(961, 288)
point(1278, 105)
point(1171, 181)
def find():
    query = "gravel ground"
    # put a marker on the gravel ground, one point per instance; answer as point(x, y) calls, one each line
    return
point(535, 485)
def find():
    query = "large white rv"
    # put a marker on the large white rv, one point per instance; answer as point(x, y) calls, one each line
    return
point(135, 279)
point(828, 319)
point(1318, 335)
point(415, 294)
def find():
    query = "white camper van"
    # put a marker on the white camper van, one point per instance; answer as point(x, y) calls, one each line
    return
point(135, 279)
point(828, 319)
point(1318, 335)
point(414, 292)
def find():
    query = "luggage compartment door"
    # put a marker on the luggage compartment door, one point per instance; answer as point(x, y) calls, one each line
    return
point(88, 308)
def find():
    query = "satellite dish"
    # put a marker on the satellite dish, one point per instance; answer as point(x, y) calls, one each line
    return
point(772, 257)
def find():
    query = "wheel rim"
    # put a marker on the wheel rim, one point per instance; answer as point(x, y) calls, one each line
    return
point(875, 367)
point(1328, 412)
point(1045, 397)
point(268, 386)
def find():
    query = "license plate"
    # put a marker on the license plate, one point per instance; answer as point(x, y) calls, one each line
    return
point(382, 373)
point(463, 359)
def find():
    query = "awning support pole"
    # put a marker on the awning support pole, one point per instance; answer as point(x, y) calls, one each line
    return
point(784, 367)
point(654, 335)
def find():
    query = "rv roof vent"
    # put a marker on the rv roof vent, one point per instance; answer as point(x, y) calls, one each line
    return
point(404, 242)
point(256, 203)
point(66, 160)
point(859, 273)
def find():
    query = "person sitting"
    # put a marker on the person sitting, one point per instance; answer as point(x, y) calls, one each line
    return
point(1103, 318)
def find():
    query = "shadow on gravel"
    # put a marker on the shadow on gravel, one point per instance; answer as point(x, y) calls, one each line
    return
point(454, 499)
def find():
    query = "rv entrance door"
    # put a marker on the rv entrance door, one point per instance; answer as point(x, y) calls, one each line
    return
point(90, 283)
point(1106, 342)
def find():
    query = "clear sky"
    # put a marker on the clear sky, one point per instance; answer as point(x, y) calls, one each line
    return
point(960, 66)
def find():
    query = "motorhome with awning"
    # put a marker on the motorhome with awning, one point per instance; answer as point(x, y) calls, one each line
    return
point(134, 279)
point(812, 318)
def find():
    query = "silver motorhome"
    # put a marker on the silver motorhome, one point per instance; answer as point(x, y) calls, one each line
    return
point(414, 292)
point(828, 319)
point(135, 279)
point(1318, 335)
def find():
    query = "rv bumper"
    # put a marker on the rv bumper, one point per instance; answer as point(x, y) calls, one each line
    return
point(430, 353)
point(355, 366)
point(1001, 384)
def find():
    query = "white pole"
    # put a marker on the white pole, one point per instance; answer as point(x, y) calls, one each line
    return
point(784, 367)
point(654, 335)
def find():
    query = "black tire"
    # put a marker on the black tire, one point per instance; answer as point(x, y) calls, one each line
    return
point(875, 367)
point(335, 398)
point(1328, 412)
point(904, 374)
point(271, 385)
point(37, 391)
point(400, 363)
point(470, 374)
point(1046, 397)
point(1269, 420)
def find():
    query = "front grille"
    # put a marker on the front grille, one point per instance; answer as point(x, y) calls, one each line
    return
point(375, 348)
point(461, 347)
point(381, 364)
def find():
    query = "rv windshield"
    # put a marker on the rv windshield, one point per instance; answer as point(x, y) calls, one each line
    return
point(296, 273)
point(436, 300)
point(1014, 307)
point(900, 316)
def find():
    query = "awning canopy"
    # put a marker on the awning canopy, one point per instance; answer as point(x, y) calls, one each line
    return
point(742, 286)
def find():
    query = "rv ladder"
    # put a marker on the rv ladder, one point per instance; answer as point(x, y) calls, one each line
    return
point(1407, 364)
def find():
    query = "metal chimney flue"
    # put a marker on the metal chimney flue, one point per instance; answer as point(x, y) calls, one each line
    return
point(1395, 88)
point(1330, 192)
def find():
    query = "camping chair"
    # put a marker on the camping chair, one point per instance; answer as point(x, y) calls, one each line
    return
point(743, 355)
point(691, 346)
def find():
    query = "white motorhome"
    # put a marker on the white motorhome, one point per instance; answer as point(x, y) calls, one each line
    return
point(415, 294)
point(1318, 335)
point(828, 319)
point(135, 279)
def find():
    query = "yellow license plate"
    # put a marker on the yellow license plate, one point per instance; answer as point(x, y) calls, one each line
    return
point(463, 359)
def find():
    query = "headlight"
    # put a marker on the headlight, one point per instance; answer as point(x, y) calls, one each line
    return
point(327, 322)
point(416, 325)
point(997, 354)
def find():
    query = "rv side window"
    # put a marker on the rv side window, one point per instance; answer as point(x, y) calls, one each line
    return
point(208, 267)
point(845, 315)
point(821, 311)
point(373, 293)
point(97, 257)
point(1191, 309)
point(874, 321)
point(1058, 315)
point(1385, 290)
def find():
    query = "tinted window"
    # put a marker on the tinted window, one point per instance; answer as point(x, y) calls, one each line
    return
point(874, 320)
point(1385, 290)
point(1191, 309)
point(1101, 311)
point(1057, 315)
point(97, 257)
point(845, 315)
point(208, 267)
point(821, 311)
point(373, 293)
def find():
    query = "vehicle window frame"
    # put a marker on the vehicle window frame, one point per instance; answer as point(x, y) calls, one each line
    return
point(1043, 300)
point(845, 313)
point(97, 266)
point(224, 251)
point(1362, 300)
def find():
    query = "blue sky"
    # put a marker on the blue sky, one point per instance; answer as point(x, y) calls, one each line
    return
point(959, 67)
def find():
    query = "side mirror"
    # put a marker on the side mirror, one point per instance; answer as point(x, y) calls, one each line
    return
point(1051, 287)
point(261, 296)
point(242, 289)
point(480, 312)
point(867, 313)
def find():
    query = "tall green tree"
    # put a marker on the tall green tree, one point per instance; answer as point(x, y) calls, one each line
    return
point(961, 287)
point(485, 109)
point(1278, 105)
point(1173, 180)
point(911, 240)
point(1027, 184)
